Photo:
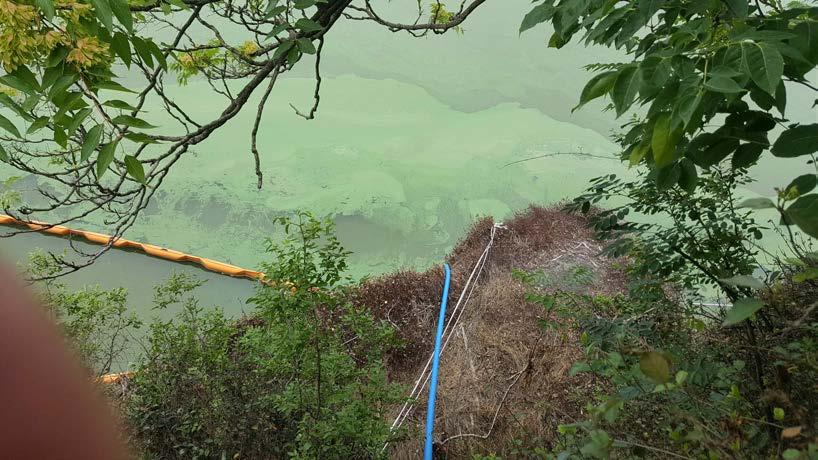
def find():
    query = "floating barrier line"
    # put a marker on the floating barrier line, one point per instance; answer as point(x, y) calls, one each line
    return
point(118, 377)
point(149, 249)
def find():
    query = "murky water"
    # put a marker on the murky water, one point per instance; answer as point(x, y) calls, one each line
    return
point(409, 147)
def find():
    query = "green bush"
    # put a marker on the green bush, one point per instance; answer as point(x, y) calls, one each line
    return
point(95, 322)
point(302, 377)
point(676, 383)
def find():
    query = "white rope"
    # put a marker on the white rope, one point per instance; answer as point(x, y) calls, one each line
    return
point(454, 319)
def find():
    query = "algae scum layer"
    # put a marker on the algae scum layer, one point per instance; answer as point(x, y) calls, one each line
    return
point(402, 174)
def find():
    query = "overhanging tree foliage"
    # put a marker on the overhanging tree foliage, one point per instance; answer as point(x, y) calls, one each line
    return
point(79, 75)
point(712, 78)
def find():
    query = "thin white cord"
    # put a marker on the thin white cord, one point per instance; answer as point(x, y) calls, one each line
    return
point(454, 319)
point(415, 389)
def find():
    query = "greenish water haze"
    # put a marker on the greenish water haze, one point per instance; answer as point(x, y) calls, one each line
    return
point(403, 174)
point(408, 148)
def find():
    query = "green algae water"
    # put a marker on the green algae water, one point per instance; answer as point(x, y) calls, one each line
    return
point(409, 146)
point(402, 174)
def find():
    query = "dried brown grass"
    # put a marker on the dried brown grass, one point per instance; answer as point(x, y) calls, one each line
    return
point(503, 377)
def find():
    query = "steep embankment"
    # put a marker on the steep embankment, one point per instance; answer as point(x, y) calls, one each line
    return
point(503, 376)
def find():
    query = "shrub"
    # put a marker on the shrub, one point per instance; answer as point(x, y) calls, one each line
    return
point(677, 383)
point(96, 322)
point(302, 378)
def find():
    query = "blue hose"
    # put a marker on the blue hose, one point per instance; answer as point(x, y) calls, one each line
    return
point(430, 410)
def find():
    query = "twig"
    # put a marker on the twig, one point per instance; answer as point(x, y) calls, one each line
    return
point(516, 376)
point(317, 94)
point(254, 133)
point(553, 154)
point(655, 449)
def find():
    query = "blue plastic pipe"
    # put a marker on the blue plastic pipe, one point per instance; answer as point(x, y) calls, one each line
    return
point(430, 410)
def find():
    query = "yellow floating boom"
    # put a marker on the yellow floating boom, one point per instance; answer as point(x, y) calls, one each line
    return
point(110, 379)
point(150, 249)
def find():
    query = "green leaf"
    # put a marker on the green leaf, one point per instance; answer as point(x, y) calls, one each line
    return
point(4, 157)
point(655, 73)
point(102, 9)
point(305, 45)
point(51, 75)
point(77, 119)
point(128, 120)
point(625, 88)
point(122, 47)
point(667, 177)
point(802, 185)
point(179, 4)
point(708, 149)
point(118, 104)
point(746, 155)
point(781, 97)
point(308, 25)
point(278, 28)
point(722, 84)
point(741, 310)
point(283, 48)
point(656, 366)
point(663, 142)
point(797, 141)
point(806, 40)
point(744, 281)
point(61, 85)
point(123, 13)
point(293, 56)
point(9, 102)
point(56, 57)
point(30, 102)
point(689, 176)
point(71, 100)
point(37, 125)
point(539, 14)
point(597, 86)
point(303, 4)
point(805, 275)
point(112, 85)
point(804, 213)
point(791, 454)
point(753, 34)
point(26, 77)
point(270, 5)
point(48, 8)
point(764, 63)
point(18, 84)
point(738, 8)
point(275, 12)
point(157, 53)
point(105, 157)
point(686, 107)
point(638, 153)
point(579, 367)
point(91, 142)
point(6, 124)
point(143, 50)
point(134, 168)
point(598, 445)
point(60, 137)
point(757, 203)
